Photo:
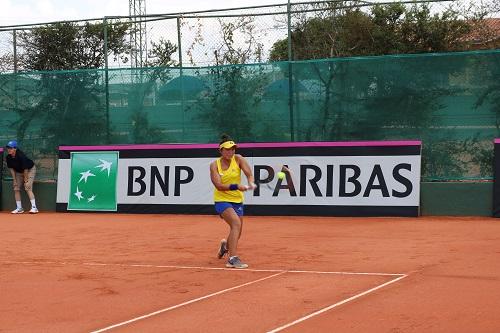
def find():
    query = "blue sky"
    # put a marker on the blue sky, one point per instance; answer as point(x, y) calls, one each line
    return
point(30, 11)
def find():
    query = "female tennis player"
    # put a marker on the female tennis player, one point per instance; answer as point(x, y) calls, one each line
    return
point(225, 173)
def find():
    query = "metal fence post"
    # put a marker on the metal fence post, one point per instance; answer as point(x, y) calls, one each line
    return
point(14, 44)
point(16, 77)
point(290, 71)
point(179, 40)
point(179, 48)
point(106, 77)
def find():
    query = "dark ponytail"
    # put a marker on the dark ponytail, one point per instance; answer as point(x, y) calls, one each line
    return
point(224, 138)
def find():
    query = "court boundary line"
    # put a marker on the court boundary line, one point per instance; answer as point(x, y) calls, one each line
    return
point(320, 311)
point(185, 303)
point(277, 272)
point(138, 265)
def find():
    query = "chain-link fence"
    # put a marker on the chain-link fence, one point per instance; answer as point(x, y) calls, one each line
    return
point(201, 38)
point(449, 101)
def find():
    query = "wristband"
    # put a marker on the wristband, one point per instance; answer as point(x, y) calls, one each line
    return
point(233, 187)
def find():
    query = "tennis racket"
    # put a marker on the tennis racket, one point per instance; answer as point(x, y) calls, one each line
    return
point(266, 178)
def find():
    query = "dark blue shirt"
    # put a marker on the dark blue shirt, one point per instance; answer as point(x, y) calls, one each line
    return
point(19, 162)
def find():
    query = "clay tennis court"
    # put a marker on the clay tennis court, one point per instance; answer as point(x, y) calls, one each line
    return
point(158, 273)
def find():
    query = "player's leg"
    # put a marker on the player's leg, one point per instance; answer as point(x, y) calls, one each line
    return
point(220, 207)
point(28, 186)
point(16, 186)
point(223, 247)
point(241, 226)
point(222, 251)
point(234, 222)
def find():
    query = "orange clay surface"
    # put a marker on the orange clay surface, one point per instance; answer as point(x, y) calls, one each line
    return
point(158, 273)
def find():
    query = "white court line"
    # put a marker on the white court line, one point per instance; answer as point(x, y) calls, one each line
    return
point(194, 267)
point(399, 276)
point(185, 303)
point(336, 304)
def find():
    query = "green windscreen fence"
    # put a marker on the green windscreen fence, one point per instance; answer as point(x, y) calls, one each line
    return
point(449, 101)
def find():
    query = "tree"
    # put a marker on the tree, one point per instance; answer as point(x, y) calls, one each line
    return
point(6, 63)
point(157, 72)
point(66, 46)
point(343, 29)
point(233, 94)
point(161, 54)
point(228, 52)
point(65, 107)
point(376, 99)
point(386, 29)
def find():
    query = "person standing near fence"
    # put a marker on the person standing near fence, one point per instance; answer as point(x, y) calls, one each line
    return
point(23, 171)
point(225, 173)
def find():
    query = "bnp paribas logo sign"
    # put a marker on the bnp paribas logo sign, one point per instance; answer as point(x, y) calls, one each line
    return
point(93, 181)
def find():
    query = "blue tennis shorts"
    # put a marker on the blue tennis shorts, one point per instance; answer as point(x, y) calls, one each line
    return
point(222, 206)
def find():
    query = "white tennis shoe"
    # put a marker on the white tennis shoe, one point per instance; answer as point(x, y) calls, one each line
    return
point(33, 210)
point(17, 211)
point(235, 262)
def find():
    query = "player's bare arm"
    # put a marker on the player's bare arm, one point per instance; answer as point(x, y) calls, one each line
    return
point(247, 170)
point(216, 180)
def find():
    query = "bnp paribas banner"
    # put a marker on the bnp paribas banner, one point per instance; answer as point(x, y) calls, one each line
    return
point(375, 178)
point(93, 181)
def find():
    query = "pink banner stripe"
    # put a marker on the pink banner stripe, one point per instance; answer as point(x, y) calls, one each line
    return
point(496, 141)
point(140, 147)
point(246, 145)
point(331, 144)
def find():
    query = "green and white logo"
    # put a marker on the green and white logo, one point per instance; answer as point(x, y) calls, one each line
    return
point(93, 181)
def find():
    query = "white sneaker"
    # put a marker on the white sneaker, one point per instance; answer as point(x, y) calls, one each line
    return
point(17, 211)
point(33, 210)
point(235, 262)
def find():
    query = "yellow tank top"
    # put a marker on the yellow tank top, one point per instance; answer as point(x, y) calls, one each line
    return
point(231, 175)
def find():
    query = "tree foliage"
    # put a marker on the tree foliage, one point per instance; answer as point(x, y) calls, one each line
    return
point(378, 98)
point(232, 97)
point(70, 100)
point(229, 51)
point(159, 61)
point(66, 100)
point(395, 28)
point(160, 54)
point(66, 46)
